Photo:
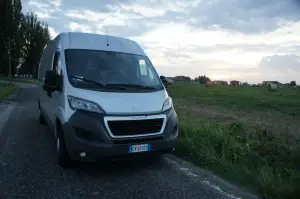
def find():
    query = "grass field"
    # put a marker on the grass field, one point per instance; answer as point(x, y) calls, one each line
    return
point(6, 90)
point(248, 135)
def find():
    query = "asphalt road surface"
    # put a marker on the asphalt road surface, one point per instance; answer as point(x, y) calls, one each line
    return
point(28, 166)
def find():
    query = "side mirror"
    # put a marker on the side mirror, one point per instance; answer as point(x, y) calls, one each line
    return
point(50, 82)
point(164, 80)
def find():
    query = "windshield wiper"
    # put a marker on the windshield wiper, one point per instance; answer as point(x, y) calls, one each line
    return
point(137, 86)
point(87, 80)
point(99, 84)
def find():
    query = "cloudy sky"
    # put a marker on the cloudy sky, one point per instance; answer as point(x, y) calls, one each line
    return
point(247, 40)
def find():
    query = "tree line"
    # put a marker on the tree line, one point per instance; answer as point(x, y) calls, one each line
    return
point(204, 79)
point(22, 38)
point(200, 79)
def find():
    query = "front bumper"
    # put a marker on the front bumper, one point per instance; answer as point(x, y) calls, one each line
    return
point(86, 132)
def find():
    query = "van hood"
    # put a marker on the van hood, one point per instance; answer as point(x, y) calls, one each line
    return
point(124, 103)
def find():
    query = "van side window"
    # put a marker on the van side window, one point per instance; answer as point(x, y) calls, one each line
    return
point(56, 63)
point(57, 68)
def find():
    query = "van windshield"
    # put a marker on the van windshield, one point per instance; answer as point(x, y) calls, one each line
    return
point(134, 72)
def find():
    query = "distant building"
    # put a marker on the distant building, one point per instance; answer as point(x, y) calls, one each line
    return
point(234, 83)
point(220, 82)
point(245, 84)
point(286, 85)
point(267, 83)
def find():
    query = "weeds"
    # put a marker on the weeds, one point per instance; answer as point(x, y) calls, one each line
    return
point(6, 90)
point(253, 157)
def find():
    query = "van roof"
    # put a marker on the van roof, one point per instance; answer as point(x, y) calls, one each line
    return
point(90, 41)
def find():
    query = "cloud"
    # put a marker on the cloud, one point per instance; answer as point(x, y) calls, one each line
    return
point(247, 40)
point(101, 6)
point(281, 63)
point(52, 32)
point(44, 9)
point(254, 16)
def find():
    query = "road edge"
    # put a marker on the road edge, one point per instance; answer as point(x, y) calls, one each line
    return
point(5, 114)
point(210, 179)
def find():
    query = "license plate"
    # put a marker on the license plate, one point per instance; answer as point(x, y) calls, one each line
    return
point(139, 148)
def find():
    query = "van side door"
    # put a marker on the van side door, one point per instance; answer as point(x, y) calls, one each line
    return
point(51, 103)
point(45, 65)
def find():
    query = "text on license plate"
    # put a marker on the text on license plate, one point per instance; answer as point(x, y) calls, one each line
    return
point(139, 148)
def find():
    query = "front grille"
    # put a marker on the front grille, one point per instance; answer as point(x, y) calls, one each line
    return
point(140, 140)
point(135, 127)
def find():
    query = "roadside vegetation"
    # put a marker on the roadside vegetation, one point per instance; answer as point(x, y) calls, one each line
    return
point(248, 135)
point(6, 90)
point(29, 81)
point(23, 36)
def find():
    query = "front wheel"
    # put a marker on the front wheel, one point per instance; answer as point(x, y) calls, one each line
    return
point(62, 154)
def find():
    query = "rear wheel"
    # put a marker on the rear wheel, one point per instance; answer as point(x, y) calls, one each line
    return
point(42, 119)
point(62, 154)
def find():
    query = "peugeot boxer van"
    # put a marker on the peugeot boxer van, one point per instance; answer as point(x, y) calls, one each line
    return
point(102, 98)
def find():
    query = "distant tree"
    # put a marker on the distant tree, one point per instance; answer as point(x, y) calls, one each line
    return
point(23, 35)
point(293, 83)
point(182, 78)
point(10, 20)
point(36, 36)
point(202, 79)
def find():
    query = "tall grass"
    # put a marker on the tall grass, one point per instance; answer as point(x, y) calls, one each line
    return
point(264, 161)
point(253, 157)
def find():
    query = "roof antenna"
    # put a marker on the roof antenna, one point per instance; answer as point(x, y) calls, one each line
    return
point(107, 44)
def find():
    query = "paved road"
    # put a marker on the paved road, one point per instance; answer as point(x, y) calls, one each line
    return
point(28, 166)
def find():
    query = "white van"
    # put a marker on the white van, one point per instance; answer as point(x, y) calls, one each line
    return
point(102, 98)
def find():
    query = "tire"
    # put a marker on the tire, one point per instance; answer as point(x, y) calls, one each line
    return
point(42, 119)
point(63, 159)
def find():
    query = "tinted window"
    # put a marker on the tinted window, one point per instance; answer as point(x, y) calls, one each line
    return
point(110, 68)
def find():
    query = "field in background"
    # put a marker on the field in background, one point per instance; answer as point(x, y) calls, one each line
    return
point(248, 135)
point(6, 90)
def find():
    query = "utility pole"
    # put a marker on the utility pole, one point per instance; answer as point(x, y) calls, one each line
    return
point(9, 62)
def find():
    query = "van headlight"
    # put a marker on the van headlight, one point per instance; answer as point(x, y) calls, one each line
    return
point(168, 103)
point(82, 104)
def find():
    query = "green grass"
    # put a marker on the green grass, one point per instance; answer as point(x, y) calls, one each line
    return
point(29, 81)
point(6, 90)
point(264, 162)
point(285, 100)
